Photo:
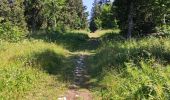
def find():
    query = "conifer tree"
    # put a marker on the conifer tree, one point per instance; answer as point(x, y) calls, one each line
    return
point(141, 17)
point(75, 13)
point(13, 11)
point(95, 21)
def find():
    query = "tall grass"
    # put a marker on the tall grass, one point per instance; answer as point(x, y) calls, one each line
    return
point(33, 69)
point(132, 69)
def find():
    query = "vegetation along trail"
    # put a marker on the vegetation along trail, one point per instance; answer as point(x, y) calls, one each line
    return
point(57, 50)
point(79, 89)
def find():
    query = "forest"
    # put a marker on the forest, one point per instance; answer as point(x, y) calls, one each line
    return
point(58, 50)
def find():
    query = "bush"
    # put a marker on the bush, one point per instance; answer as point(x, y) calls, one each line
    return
point(167, 30)
point(164, 29)
point(137, 69)
point(145, 83)
point(10, 32)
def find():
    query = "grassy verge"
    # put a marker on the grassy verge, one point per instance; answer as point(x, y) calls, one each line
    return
point(100, 33)
point(33, 69)
point(40, 68)
point(75, 41)
point(131, 69)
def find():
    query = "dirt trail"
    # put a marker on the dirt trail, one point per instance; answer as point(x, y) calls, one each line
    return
point(80, 81)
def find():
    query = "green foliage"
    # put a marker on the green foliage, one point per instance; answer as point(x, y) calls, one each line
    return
point(152, 81)
point(13, 12)
point(135, 83)
point(108, 17)
point(76, 15)
point(95, 21)
point(73, 41)
point(103, 17)
point(165, 29)
point(11, 32)
point(54, 14)
point(12, 21)
point(133, 69)
point(33, 73)
point(34, 15)
point(147, 15)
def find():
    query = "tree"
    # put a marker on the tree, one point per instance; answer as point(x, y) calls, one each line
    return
point(103, 16)
point(13, 12)
point(12, 21)
point(33, 15)
point(140, 17)
point(55, 14)
point(108, 17)
point(95, 21)
point(52, 12)
point(75, 14)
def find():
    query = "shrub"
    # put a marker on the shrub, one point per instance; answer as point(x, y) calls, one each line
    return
point(10, 32)
point(165, 29)
point(133, 83)
point(137, 69)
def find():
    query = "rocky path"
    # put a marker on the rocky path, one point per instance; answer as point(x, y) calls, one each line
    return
point(80, 81)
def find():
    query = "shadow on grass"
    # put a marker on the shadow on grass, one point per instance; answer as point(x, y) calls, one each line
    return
point(112, 37)
point(71, 41)
point(115, 57)
point(54, 64)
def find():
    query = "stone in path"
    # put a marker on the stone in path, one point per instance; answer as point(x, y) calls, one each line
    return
point(79, 80)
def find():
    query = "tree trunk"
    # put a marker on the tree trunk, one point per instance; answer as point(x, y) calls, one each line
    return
point(164, 19)
point(130, 21)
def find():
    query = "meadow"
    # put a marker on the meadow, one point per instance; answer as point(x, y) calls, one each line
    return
point(40, 66)
point(61, 49)
point(33, 69)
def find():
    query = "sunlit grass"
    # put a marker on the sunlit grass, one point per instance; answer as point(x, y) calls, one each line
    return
point(25, 70)
point(132, 69)
point(80, 31)
point(100, 33)
point(41, 67)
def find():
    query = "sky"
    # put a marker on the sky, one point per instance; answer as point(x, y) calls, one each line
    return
point(88, 4)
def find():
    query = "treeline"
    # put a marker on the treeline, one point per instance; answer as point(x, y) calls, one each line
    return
point(20, 16)
point(102, 16)
point(133, 17)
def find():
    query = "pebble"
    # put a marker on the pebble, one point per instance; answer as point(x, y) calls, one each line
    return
point(79, 73)
point(62, 98)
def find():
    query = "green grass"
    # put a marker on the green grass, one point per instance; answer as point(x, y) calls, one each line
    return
point(136, 69)
point(33, 69)
point(73, 41)
point(100, 33)
point(41, 67)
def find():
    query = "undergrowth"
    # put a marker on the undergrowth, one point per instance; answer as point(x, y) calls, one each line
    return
point(136, 69)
